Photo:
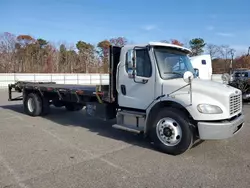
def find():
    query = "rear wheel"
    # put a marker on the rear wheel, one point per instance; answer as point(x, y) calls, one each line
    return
point(33, 104)
point(171, 131)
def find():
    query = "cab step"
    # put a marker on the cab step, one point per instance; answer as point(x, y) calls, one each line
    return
point(132, 113)
point(127, 128)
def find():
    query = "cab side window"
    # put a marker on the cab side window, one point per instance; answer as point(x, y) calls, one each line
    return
point(143, 63)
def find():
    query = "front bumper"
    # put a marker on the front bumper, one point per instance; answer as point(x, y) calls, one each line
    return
point(220, 130)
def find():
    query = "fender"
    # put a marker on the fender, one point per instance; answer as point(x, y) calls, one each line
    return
point(152, 110)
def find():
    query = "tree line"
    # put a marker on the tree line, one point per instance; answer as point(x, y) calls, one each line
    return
point(26, 54)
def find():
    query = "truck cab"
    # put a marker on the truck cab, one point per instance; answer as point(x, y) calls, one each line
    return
point(204, 64)
point(159, 94)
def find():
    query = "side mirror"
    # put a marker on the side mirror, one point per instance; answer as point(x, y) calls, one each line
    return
point(196, 72)
point(131, 63)
point(188, 77)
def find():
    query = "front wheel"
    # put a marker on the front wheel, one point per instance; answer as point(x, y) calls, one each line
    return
point(171, 131)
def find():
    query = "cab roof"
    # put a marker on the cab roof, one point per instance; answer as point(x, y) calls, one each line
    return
point(160, 44)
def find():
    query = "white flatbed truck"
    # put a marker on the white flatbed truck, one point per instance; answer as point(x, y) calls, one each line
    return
point(153, 90)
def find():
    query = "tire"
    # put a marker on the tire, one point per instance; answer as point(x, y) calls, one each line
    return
point(171, 123)
point(33, 104)
point(73, 107)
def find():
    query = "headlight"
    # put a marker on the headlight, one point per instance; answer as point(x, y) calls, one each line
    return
point(209, 109)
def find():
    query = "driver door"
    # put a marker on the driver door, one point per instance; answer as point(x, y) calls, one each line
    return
point(132, 92)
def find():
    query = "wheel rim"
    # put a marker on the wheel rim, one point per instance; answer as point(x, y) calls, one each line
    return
point(169, 131)
point(31, 105)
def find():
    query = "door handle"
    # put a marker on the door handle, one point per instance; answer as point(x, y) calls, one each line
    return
point(123, 89)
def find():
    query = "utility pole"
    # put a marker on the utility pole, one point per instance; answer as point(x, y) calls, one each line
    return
point(232, 51)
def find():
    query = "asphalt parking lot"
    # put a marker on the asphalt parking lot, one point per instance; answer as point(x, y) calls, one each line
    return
point(70, 150)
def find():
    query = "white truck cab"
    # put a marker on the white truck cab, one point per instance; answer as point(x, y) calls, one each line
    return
point(160, 95)
point(204, 64)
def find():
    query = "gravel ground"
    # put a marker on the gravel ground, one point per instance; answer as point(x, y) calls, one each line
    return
point(70, 150)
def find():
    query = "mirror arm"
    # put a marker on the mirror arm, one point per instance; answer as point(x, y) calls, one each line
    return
point(178, 89)
point(190, 90)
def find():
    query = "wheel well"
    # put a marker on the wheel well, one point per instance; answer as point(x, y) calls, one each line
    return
point(26, 92)
point(153, 111)
point(43, 95)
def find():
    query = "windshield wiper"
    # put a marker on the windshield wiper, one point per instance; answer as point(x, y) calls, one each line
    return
point(173, 73)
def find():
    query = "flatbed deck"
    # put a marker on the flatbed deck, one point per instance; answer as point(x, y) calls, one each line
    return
point(53, 85)
point(59, 89)
point(71, 87)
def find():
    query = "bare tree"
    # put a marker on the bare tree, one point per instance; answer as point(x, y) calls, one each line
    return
point(227, 54)
point(213, 50)
point(7, 52)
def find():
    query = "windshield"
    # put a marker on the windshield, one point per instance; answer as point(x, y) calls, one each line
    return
point(172, 63)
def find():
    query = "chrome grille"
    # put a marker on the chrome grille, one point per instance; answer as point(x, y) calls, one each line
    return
point(235, 104)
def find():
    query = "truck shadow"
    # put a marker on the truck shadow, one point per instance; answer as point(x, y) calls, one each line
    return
point(102, 128)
